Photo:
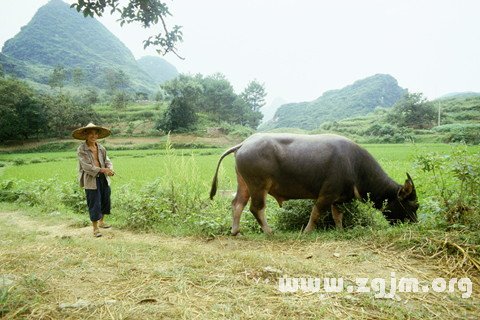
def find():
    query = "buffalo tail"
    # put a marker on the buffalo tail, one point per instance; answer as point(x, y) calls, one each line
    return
point(213, 190)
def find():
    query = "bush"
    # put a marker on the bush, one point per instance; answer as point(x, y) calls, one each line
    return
point(73, 197)
point(295, 215)
point(455, 183)
point(7, 192)
point(36, 160)
point(19, 162)
point(468, 133)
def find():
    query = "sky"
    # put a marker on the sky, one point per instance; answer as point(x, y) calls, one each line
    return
point(301, 48)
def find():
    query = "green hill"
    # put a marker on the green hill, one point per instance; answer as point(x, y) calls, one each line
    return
point(360, 98)
point(459, 121)
point(157, 68)
point(466, 94)
point(59, 35)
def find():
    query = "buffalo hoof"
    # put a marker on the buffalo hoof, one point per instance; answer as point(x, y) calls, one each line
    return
point(308, 229)
point(267, 230)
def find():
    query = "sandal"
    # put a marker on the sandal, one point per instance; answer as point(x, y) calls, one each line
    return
point(105, 226)
point(97, 234)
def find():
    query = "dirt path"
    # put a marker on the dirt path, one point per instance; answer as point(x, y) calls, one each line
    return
point(56, 269)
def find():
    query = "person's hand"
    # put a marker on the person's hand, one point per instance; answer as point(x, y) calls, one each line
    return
point(107, 171)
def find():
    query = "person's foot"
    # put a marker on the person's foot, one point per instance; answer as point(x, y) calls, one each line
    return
point(96, 233)
point(104, 226)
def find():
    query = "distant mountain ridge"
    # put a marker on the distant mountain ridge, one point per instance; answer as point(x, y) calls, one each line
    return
point(157, 68)
point(359, 98)
point(459, 95)
point(59, 35)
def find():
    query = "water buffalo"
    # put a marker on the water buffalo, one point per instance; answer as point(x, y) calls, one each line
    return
point(328, 168)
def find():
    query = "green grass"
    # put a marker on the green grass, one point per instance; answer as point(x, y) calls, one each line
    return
point(168, 189)
point(138, 167)
point(133, 167)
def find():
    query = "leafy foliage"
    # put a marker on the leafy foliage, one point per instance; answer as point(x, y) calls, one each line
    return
point(294, 216)
point(21, 112)
point(413, 111)
point(459, 198)
point(179, 116)
point(64, 113)
point(146, 12)
point(25, 113)
point(212, 95)
point(254, 95)
point(58, 77)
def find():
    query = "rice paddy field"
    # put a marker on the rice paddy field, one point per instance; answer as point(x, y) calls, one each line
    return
point(138, 167)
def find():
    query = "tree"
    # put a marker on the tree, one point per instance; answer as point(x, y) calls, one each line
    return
point(218, 98)
point(116, 80)
point(21, 113)
point(117, 84)
point(413, 111)
point(184, 92)
point(148, 13)
point(58, 77)
point(120, 100)
point(254, 95)
point(180, 116)
point(77, 76)
point(64, 113)
point(90, 96)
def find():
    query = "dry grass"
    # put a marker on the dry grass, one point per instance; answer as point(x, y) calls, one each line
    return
point(126, 275)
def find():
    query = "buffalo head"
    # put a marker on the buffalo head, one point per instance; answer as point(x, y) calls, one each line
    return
point(404, 207)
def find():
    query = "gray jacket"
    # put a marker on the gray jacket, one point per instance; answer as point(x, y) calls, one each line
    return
point(87, 172)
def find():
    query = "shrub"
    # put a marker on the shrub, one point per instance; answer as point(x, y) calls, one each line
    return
point(7, 192)
point(36, 160)
point(19, 162)
point(295, 215)
point(455, 183)
point(73, 197)
point(468, 133)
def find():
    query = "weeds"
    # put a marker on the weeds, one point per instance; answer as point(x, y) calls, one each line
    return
point(456, 185)
point(294, 215)
point(454, 206)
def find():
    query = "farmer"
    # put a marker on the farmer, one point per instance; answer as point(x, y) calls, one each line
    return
point(94, 171)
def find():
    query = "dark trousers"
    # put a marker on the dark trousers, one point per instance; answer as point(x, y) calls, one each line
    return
point(98, 201)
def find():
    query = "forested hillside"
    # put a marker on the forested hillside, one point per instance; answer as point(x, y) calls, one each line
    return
point(360, 98)
point(415, 119)
point(80, 48)
point(157, 68)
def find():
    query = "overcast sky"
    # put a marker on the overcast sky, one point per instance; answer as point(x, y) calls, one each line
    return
point(301, 48)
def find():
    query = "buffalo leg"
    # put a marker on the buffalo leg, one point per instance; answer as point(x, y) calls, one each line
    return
point(239, 203)
point(320, 206)
point(257, 207)
point(337, 217)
